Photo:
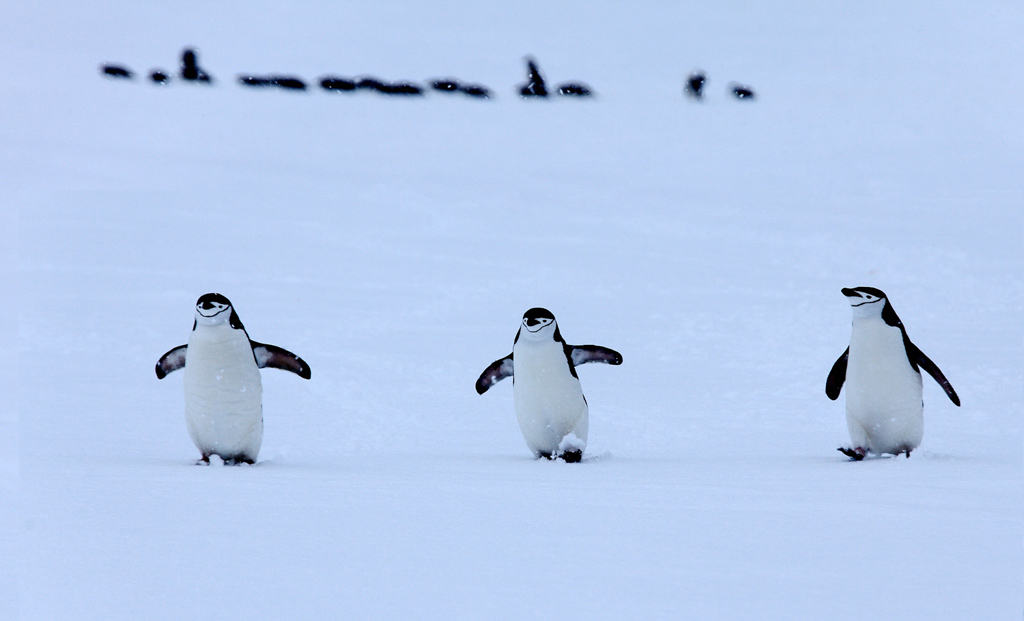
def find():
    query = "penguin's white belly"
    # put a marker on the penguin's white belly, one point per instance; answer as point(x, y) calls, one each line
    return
point(883, 392)
point(548, 399)
point(223, 394)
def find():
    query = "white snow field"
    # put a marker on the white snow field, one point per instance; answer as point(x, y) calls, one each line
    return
point(394, 244)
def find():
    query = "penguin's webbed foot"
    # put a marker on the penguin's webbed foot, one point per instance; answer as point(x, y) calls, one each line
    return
point(855, 454)
point(569, 457)
point(239, 461)
point(572, 457)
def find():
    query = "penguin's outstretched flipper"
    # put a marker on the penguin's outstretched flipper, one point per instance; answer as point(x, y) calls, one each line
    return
point(497, 371)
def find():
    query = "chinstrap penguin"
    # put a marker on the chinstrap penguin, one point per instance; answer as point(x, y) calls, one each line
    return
point(882, 372)
point(549, 402)
point(223, 392)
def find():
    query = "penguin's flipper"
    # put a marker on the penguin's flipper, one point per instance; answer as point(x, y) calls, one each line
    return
point(277, 358)
point(837, 376)
point(925, 363)
point(171, 361)
point(582, 354)
point(499, 370)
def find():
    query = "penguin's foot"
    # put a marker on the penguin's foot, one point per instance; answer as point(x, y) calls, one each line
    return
point(204, 460)
point(856, 454)
point(572, 457)
point(569, 457)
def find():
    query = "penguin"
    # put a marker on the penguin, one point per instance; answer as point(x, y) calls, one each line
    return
point(535, 87)
point(288, 82)
point(574, 89)
point(882, 372)
point(400, 88)
point(116, 71)
point(223, 393)
point(370, 83)
point(549, 402)
point(190, 69)
point(475, 90)
point(445, 85)
point(255, 80)
point(695, 85)
point(740, 91)
point(160, 77)
point(333, 83)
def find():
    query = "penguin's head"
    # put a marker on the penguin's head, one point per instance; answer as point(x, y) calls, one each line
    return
point(213, 309)
point(866, 301)
point(539, 324)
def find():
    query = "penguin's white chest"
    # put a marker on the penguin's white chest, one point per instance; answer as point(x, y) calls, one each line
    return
point(549, 401)
point(883, 391)
point(223, 393)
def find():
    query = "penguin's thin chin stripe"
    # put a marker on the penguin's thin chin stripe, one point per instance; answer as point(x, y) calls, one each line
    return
point(213, 315)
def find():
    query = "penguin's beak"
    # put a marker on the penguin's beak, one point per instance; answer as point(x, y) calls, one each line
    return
point(850, 293)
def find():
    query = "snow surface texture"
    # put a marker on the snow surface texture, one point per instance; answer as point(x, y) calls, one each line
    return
point(395, 243)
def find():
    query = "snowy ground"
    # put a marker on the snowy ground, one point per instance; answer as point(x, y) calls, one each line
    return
point(394, 244)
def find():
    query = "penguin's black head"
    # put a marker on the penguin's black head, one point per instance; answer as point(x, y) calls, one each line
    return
point(536, 319)
point(214, 309)
point(868, 302)
point(539, 325)
point(859, 296)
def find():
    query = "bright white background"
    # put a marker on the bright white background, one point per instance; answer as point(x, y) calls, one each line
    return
point(395, 243)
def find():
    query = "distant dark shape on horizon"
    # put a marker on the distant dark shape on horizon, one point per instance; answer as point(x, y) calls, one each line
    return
point(694, 86)
point(387, 88)
point(451, 85)
point(534, 87)
point(574, 89)
point(116, 71)
point(740, 91)
point(445, 85)
point(369, 84)
point(158, 76)
point(254, 80)
point(190, 69)
point(476, 90)
point(332, 83)
point(280, 81)
point(288, 82)
point(400, 88)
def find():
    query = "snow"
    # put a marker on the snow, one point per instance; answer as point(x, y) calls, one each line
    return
point(395, 243)
point(571, 442)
